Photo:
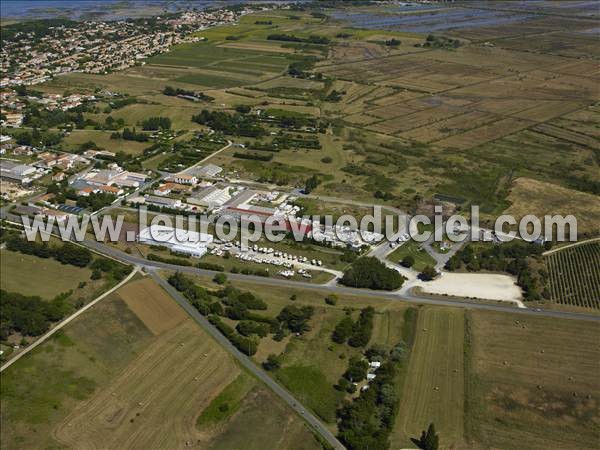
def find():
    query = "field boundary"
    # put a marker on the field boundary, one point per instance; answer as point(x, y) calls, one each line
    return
point(64, 322)
point(574, 244)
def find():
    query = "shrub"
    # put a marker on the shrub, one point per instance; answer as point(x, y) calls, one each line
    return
point(428, 274)
point(272, 363)
point(220, 278)
point(408, 261)
point(331, 299)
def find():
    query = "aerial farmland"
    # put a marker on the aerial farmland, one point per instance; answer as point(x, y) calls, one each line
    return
point(433, 280)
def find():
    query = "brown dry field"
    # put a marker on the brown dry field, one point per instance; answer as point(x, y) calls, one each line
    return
point(533, 382)
point(257, 46)
point(174, 377)
point(251, 429)
point(155, 401)
point(484, 133)
point(529, 196)
point(152, 305)
point(430, 87)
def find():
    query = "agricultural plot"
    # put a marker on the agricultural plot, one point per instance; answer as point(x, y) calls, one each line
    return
point(41, 389)
point(448, 127)
point(434, 386)
point(571, 44)
point(529, 196)
point(51, 277)
point(113, 374)
point(485, 133)
point(130, 411)
point(575, 275)
point(222, 66)
point(531, 382)
point(103, 140)
point(250, 428)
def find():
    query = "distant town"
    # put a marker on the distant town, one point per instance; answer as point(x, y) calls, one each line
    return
point(30, 57)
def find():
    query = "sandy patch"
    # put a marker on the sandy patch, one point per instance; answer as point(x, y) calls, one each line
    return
point(479, 285)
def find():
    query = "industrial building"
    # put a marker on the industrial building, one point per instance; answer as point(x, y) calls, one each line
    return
point(18, 173)
point(180, 241)
point(209, 170)
point(211, 197)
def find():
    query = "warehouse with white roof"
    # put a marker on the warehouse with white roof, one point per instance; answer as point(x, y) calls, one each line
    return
point(179, 240)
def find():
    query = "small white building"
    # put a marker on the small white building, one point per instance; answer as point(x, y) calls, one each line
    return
point(182, 178)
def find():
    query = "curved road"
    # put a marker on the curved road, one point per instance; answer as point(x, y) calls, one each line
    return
point(152, 266)
point(406, 297)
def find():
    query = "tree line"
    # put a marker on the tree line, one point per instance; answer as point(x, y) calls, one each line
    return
point(234, 304)
point(519, 258)
point(233, 124)
point(358, 333)
point(66, 253)
point(29, 315)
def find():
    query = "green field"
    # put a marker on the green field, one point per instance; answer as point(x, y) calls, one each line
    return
point(434, 386)
point(412, 248)
point(575, 275)
point(30, 275)
point(227, 402)
point(262, 421)
point(213, 81)
point(102, 140)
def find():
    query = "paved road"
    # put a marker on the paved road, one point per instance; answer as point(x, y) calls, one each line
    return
point(249, 364)
point(406, 297)
point(44, 337)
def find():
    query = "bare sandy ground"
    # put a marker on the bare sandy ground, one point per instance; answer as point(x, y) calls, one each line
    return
point(488, 286)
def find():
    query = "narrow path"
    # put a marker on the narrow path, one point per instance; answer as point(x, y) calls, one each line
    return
point(574, 244)
point(64, 322)
point(247, 362)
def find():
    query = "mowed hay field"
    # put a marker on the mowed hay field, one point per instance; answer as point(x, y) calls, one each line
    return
point(30, 275)
point(175, 376)
point(263, 422)
point(111, 377)
point(434, 386)
point(533, 382)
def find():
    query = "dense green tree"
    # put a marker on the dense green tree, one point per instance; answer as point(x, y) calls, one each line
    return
point(368, 272)
point(343, 330)
point(311, 184)
point(408, 261)
point(296, 318)
point(428, 273)
point(357, 369)
point(273, 362)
